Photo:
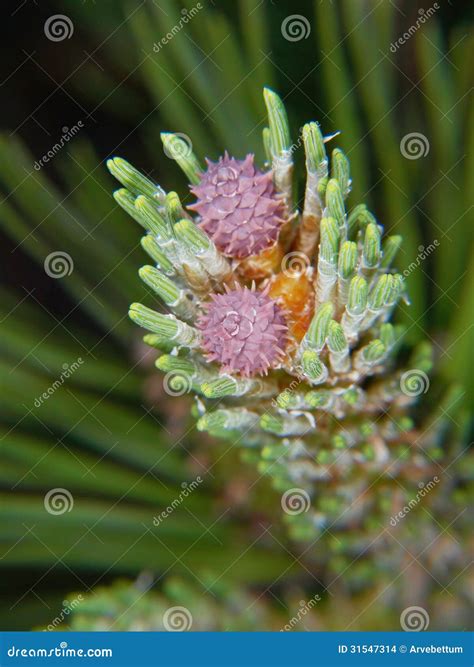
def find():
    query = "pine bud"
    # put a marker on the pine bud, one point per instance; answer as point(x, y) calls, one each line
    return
point(178, 149)
point(131, 178)
point(341, 171)
point(371, 250)
point(335, 202)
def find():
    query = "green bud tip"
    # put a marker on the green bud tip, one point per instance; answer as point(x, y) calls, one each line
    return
point(187, 232)
point(317, 399)
point(287, 399)
point(314, 147)
point(382, 292)
point(359, 218)
point(341, 170)
point(313, 366)
point(131, 178)
point(164, 325)
point(173, 207)
point(179, 147)
point(336, 339)
point(357, 299)
point(160, 284)
point(329, 239)
point(211, 421)
point(347, 259)
point(398, 287)
point(151, 246)
point(170, 362)
point(152, 217)
point(374, 351)
point(278, 121)
point(371, 250)
point(158, 342)
point(318, 329)
point(335, 201)
point(271, 424)
point(219, 387)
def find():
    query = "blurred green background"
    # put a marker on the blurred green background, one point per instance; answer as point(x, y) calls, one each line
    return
point(109, 434)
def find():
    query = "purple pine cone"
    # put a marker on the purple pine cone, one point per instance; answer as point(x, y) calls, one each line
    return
point(244, 331)
point(239, 207)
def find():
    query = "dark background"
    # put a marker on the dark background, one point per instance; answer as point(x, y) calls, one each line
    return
point(94, 76)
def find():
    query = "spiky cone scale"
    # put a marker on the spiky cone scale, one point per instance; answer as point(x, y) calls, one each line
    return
point(334, 395)
point(238, 206)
